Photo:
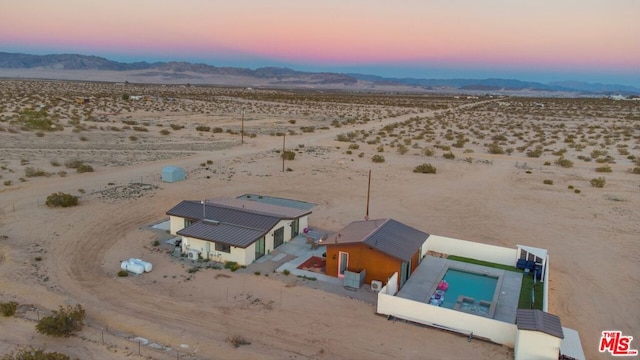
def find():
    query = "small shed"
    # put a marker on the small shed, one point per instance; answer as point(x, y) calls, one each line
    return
point(539, 335)
point(173, 174)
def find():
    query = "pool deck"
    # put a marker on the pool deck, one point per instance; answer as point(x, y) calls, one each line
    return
point(426, 277)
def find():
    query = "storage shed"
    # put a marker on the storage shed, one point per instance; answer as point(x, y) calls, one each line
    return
point(173, 174)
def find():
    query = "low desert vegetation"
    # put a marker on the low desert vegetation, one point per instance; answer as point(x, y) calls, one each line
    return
point(32, 353)
point(61, 199)
point(8, 308)
point(377, 158)
point(598, 182)
point(425, 169)
point(62, 322)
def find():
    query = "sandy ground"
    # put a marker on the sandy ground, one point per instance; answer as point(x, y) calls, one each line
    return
point(592, 238)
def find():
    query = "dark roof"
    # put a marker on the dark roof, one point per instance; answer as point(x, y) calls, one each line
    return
point(223, 233)
point(385, 235)
point(283, 212)
point(538, 320)
point(193, 209)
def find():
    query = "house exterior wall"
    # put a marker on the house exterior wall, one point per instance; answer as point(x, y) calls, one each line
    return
point(175, 224)
point(497, 331)
point(537, 345)
point(379, 265)
point(470, 249)
point(239, 255)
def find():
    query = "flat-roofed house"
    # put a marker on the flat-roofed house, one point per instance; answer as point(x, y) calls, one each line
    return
point(227, 229)
point(381, 247)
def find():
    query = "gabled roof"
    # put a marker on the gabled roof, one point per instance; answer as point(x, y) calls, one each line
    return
point(385, 235)
point(283, 212)
point(538, 320)
point(223, 233)
point(193, 209)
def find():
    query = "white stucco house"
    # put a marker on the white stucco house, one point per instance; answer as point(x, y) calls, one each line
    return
point(233, 229)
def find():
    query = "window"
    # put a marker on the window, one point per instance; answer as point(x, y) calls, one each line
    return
point(187, 222)
point(223, 247)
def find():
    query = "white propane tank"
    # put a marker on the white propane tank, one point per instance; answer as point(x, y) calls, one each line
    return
point(145, 264)
point(132, 267)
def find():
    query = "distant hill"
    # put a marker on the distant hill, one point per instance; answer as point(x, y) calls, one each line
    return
point(276, 76)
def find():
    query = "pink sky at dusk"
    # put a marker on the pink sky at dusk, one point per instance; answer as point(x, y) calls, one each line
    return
point(573, 36)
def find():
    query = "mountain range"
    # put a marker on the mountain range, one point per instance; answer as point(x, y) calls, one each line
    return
point(66, 65)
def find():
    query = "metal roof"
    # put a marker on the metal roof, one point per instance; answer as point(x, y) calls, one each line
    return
point(283, 212)
point(538, 320)
point(193, 209)
point(385, 235)
point(223, 233)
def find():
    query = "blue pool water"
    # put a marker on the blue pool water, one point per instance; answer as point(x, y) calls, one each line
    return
point(476, 286)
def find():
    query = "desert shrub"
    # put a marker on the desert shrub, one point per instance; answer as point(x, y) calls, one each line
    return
point(605, 169)
point(534, 153)
point(232, 265)
point(598, 182)
point(35, 172)
point(36, 120)
point(577, 191)
point(495, 148)
point(425, 169)
point(217, 130)
point(204, 128)
point(133, 138)
point(292, 121)
point(547, 182)
point(565, 163)
point(123, 273)
point(155, 243)
point(354, 146)
point(377, 158)
point(125, 97)
point(402, 149)
point(83, 138)
point(54, 162)
point(361, 155)
point(61, 199)
point(8, 183)
point(176, 126)
point(84, 168)
point(635, 170)
point(63, 322)
point(288, 155)
point(165, 132)
point(237, 340)
point(380, 148)
point(8, 308)
point(449, 155)
point(428, 152)
point(349, 152)
point(308, 129)
point(547, 163)
point(31, 353)
point(140, 128)
point(286, 272)
point(73, 164)
point(40, 134)
point(570, 187)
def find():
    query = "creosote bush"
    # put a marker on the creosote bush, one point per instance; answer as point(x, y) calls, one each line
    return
point(547, 182)
point(31, 353)
point(377, 158)
point(123, 273)
point(598, 182)
point(63, 322)
point(425, 169)
point(61, 199)
point(8, 308)
point(565, 163)
point(288, 155)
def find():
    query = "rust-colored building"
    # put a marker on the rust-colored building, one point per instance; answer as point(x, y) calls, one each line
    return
point(381, 247)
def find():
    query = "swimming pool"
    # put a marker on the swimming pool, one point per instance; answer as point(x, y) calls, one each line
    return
point(469, 292)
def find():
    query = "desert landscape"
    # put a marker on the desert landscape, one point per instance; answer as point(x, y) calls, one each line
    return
point(556, 173)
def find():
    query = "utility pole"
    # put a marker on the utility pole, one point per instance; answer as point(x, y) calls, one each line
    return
point(242, 129)
point(284, 136)
point(366, 216)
